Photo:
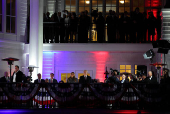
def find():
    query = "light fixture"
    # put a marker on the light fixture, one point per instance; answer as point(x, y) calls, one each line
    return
point(122, 2)
point(87, 2)
point(149, 54)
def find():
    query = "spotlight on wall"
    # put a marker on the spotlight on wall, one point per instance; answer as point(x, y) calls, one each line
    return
point(122, 2)
point(149, 54)
point(87, 2)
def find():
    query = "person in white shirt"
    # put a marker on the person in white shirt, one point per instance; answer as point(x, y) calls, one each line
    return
point(17, 75)
point(151, 79)
point(124, 79)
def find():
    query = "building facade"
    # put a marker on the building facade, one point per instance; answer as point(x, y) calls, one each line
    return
point(65, 58)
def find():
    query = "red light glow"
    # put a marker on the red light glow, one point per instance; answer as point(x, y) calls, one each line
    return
point(152, 3)
point(101, 58)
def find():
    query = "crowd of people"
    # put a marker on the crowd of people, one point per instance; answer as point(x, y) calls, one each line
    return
point(18, 76)
point(129, 28)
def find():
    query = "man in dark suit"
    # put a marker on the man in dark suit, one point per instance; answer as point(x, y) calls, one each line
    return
point(85, 78)
point(52, 80)
point(5, 78)
point(151, 79)
point(17, 75)
point(39, 80)
point(124, 81)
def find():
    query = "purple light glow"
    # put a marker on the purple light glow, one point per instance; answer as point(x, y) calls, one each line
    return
point(12, 111)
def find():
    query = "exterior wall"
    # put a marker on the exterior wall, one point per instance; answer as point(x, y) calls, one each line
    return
point(166, 32)
point(11, 49)
point(21, 22)
point(94, 61)
point(66, 58)
point(53, 6)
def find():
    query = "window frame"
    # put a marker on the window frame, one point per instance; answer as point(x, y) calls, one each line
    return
point(11, 17)
point(125, 68)
point(70, 6)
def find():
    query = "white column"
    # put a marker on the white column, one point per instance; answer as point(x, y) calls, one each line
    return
point(36, 36)
point(166, 24)
point(166, 32)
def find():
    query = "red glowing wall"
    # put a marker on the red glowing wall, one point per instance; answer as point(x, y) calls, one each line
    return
point(148, 5)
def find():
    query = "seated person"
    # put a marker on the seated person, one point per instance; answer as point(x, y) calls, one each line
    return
point(39, 80)
point(52, 80)
point(72, 78)
point(5, 78)
point(61, 82)
point(151, 79)
point(124, 80)
point(85, 78)
point(46, 80)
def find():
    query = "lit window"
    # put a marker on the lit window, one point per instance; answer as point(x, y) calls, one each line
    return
point(125, 68)
point(84, 5)
point(140, 4)
point(136, 66)
point(110, 5)
point(124, 5)
point(65, 76)
point(70, 5)
point(10, 16)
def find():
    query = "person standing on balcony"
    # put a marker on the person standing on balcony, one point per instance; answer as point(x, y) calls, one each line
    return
point(47, 29)
point(60, 29)
point(85, 78)
point(82, 29)
point(39, 80)
point(52, 80)
point(111, 22)
point(88, 24)
point(124, 27)
point(138, 24)
point(73, 26)
point(144, 26)
point(100, 26)
point(5, 78)
point(67, 27)
point(151, 26)
point(17, 75)
point(158, 25)
point(72, 78)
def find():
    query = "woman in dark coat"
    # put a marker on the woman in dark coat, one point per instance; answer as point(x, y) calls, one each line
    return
point(72, 78)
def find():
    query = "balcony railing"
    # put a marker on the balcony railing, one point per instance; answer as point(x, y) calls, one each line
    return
point(116, 96)
point(54, 33)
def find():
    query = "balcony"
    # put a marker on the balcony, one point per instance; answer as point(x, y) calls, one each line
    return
point(54, 33)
